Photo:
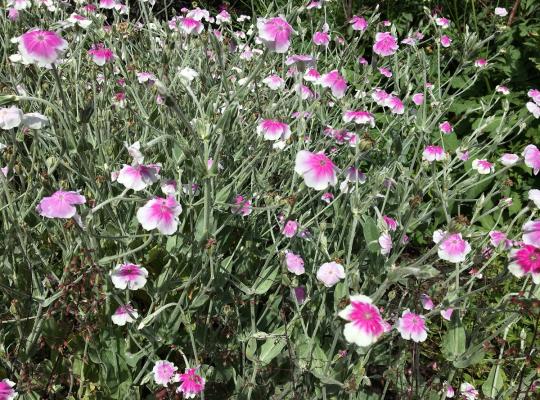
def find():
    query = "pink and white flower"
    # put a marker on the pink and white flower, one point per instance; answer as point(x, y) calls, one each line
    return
point(290, 228)
point(450, 393)
point(161, 214)
point(330, 273)
point(501, 11)
point(480, 63)
point(534, 196)
point(447, 313)
point(321, 38)
point(191, 384)
point(395, 104)
point(189, 26)
point(446, 41)
point(41, 47)
point(390, 223)
point(77, 19)
point(124, 314)
point(468, 391)
point(294, 263)
point(275, 33)
point(412, 326)
point(107, 4)
point(328, 197)
point(164, 372)
point(385, 44)
point(531, 155)
point(359, 117)
point(138, 177)
point(274, 82)
point(335, 82)
point(60, 204)
point(484, 167)
point(531, 233)
point(365, 324)
point(502, 89)
point(534, 94)
point(129, 276)
point(498, 237)
point(19, 4)
point(418, 98)
point(380, 97)
point(433, 153)
point(385, 241)
point(6, 390)
point(385, 71)
point(242, 206)
point(525, 261)
point(272, 129)
point(358, 23)
point(317, 169)
point(442, 22)
point(101, 55)
point(223, 17)
point(509, 159)
point(427, 302)
point(533, 108)
point(10, 117)
point(446, 127)
point(451, 246)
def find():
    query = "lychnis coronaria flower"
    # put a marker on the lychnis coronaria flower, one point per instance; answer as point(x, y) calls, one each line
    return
point(191, 384)
point(294, 263)
point(412, 326)
point(272, 129)
point(275, 33)
point(385, 44)
point(365, 324)
point(41, 47)
point(124, 314)
point(330, 273)
point(317, 169)
point(452, 247)
point(138, 177)
point(164, 372)
point(129, 276)
point(161, 214)
point(525, 261)
point(60, 204)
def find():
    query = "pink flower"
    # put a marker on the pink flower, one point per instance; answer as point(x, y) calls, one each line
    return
point(501, 11)
point(107, 4)
point(13, 14)
point(531, 154)
point(484, 167)
point(330, 273)
point(359, 117)
point(138, 177)
point(412, 326)
point(446, 41)
point(362, 61)
point(395, 104)
point(124, 314)
point(190, 26)
point(301, 61)
point(502, 89)
point(130, 276)
point(290, 228)
point(426, 301)
point(317, 169)
point(533, 108)
point(294, 263)
point(498, 237)
point(463, 155)
point(6, 390)
point(525, 261)
point(314, 4)
point(365, 324)
point(390, 223)
point(447, 314)
point(450, 393)
point(380, 96)
point(101, 55)
point(509, 159)
point(321, 38)
point(358, 23)
point(352, 175)
point(433, 153)
point(335, 82)
point(191, 383)
point(274, 82)
point(446, 127)
point(451, 246)
point(275, 33)
point(60, 205)
point(385, 44)
point(385, 241)
point(10, 117)
point(534, 196)
point(19, 4)
point(199, 14)
point(327, 197)
point(480, 63)
point(161, 214)
point(534, 94)
point(241, 206)
point(273, 130)
point(531, 233)
point(164, 372)
point(223, 17)
point(304, 92)
point(41, 47)
point(386, 72)
point(168, 187)
point(312, 75)
point(418, 98)
point(442, 22)
point(468, 391)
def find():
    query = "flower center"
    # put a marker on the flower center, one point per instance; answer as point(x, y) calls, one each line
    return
point(368, 315)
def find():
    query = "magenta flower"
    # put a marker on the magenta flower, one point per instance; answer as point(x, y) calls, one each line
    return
point(191, 383)
point(107, 4)
point(13, 14)
point(480, 63)
point(427, 302)
point(395, 104)
point(447, 313)
point(189, 26)
point(335, 82)
point(275, 33)
point(390, 223)
point(468, 391)
point(446, 127)
point(10, 117)
point(290, 228)
point(41, 47)
point(502, 89)
point(534, 94)
point(321, 38)
point(312, 75)
point(531, 154)
point(164, 372)
point(223, 17)
point(525, 261)
point(304, 92)
point(359, 117)
point(484, 167)
point(380, 96)
point(241, 206)
point(80, 20)
point(531, 233)
point(365, 324)
point(385, 71)
point(128, 276)
point(446, 41)
point(412, 326)
point(451, 246)
point(433, 153)
point(317, 169)
point(418, 98)
point(442, 22)
point(450, 393)
point(330, 273)
point(274, 82)
point(6, 390)
point(138, 177)
point(161, 214)
point(124, 314)
point(498, 237)
point(294, 263)
point(385, 44)
point(509, 159)
point(101, 55)
point(385, 241)
point(358, 23)
point(327, 197)
point(60, 205)
point(272, 129)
